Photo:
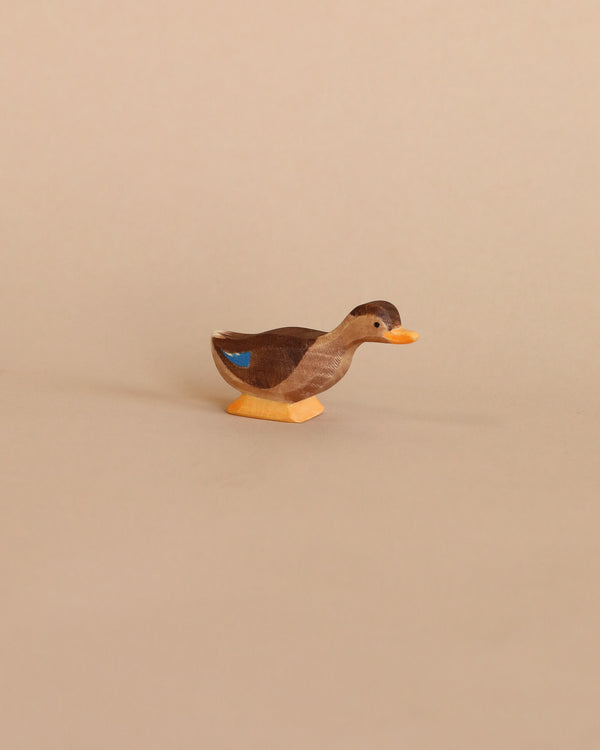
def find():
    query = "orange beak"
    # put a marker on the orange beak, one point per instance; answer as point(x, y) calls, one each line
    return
point(401, 336)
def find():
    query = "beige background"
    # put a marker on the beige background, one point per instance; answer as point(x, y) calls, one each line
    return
point(417, 568)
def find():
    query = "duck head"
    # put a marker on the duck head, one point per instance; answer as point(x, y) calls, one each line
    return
point(377, 321)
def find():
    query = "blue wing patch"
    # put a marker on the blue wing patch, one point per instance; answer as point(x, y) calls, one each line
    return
point(240, 359)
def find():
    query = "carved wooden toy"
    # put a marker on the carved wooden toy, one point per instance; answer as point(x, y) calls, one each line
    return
point(280, 372)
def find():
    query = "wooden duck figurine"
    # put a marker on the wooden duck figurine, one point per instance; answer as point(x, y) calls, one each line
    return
point(279, 372)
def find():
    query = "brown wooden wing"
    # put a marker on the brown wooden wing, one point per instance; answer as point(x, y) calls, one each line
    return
point(264, 360)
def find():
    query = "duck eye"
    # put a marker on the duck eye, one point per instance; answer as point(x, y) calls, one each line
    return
point(376, 325)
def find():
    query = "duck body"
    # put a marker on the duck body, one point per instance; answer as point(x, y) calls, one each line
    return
point(285, 364)
point(290, 365)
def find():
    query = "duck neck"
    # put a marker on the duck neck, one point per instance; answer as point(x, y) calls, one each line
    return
point(346, 334)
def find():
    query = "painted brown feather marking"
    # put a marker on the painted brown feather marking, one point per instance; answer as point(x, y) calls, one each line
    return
point(274, 354)
point(386, 311)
